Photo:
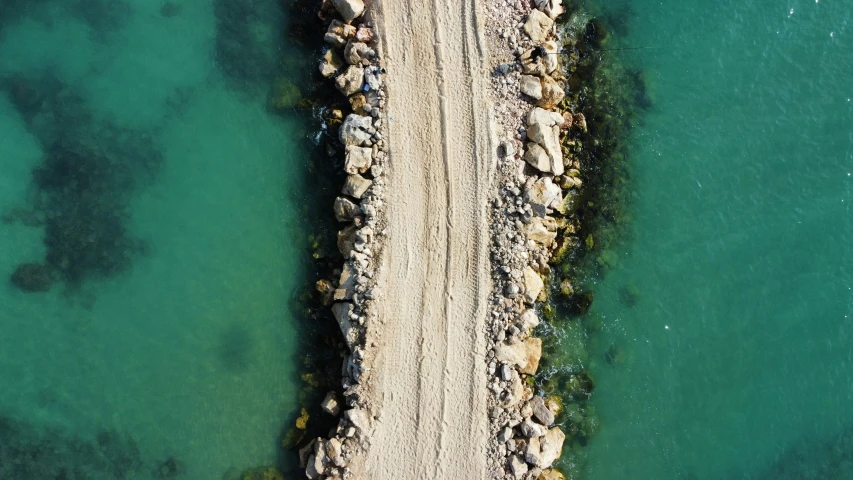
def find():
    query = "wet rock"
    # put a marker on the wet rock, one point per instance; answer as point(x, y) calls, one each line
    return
point(538, 25)
point(345, 209)
point(32, 277)
point(330, 404)
point(531, 86)
point(533, 285)
point(552, 93)
point(351, 81)
point(342, 312)
point(552, 446)
point(356, 130)
point(541, 412)
point(349, 9)
point(356, 185)
point(358, 159)
point(524, 355)
point(331, 63)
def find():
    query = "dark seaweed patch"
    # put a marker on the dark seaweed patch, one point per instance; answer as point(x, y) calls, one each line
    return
point(248, 34)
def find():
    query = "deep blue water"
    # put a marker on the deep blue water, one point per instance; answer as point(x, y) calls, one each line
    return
point(736, 358)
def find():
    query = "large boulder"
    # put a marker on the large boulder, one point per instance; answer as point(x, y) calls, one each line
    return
point(346, 285)
point(342, 312)
point(552, 446)
point(552, 93)
point(356, 130)
point(338, 33)
point(542, 231)
point(531, 86)
point(356, 51)
point(540, 60)
point(524, 355)
point(537, 157)
point(331, 63)
point(527, 321)
point(541, 412)
point(538, 25)
point(357, 159)
point(349, 9)
point(543, 127)
point(355, 186)
point(543, 194)
point(533, 285)
point(351, 81)
point(345, 209)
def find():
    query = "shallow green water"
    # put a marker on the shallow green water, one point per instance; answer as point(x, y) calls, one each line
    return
point(736, 358)
point(183, 344)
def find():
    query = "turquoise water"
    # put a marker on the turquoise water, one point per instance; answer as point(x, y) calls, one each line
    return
point(736, 356)
point(172, 228)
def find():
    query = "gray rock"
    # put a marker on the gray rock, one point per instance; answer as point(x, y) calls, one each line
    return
point(346, 284)
point(533, 453)
point(346, 240)
point(552, 8)
point(537, 157)
point(351, 81)
point(338, 33)
point(349, 9)
point(311, 470)
point(517, 466)
point(373, 79)
point(344, 209)
point(330, 404)
point(359, 418)
point(533, 285)
point(506, 372)
point(342, 312)
point(552, 446)
point(356, 51)
point(543, 195)
point(540, 411)
point(356, 130)
point(531, 86)
point(504, 435)
point(357, 159)
point(537, 26)
point(531, 429)
point(355, 186)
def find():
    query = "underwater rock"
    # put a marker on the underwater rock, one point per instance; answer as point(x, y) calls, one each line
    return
point(284, 94)
point(349, 9)
point(538, 25)
point(170, 468)
point(551, 475)
point(246, 46)
point(170, 9)
point(262, 473)
point(32, 277)
point(356, 186)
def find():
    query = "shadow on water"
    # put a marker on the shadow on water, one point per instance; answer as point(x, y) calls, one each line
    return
point(818, 457)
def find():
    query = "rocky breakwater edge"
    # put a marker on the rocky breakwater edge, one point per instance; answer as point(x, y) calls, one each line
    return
point(351, 61)
point(533, 219)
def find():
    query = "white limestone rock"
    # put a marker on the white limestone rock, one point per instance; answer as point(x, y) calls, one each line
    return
point(357, 159)
point(538, 25)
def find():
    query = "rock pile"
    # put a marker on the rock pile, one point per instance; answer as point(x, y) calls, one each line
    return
point(352, 61)
point(538, 184)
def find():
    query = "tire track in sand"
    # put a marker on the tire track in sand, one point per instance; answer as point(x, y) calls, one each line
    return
point(428, 380)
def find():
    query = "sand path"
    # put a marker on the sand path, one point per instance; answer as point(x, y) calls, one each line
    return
point(429, 381)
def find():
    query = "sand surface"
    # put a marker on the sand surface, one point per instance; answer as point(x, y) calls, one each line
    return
point(429, 381)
